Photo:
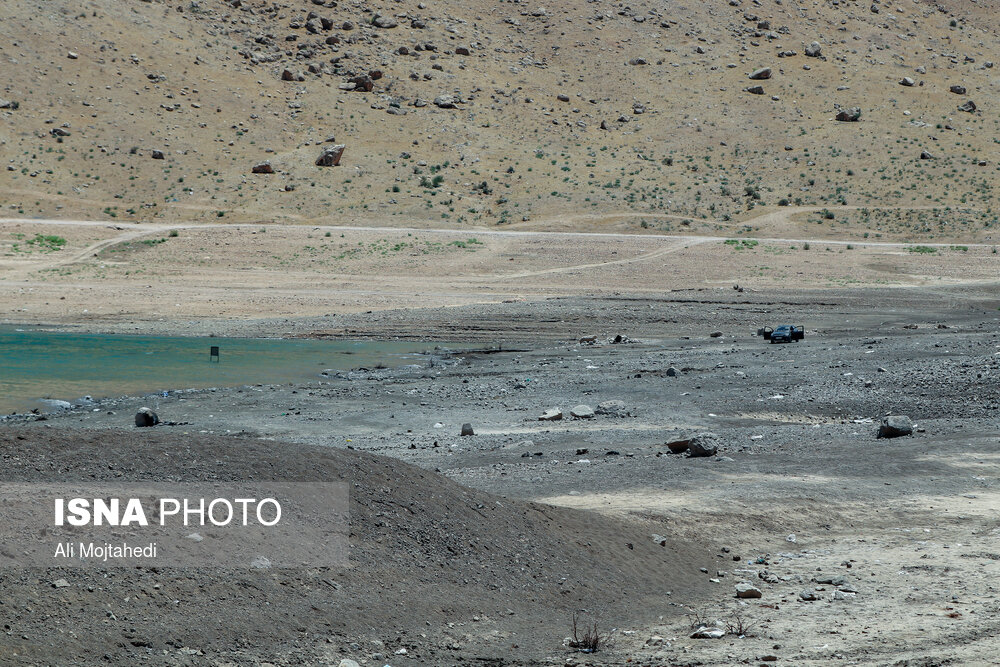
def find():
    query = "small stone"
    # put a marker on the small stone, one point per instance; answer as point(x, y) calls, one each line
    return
point(808, 595)
point(958, 90)
point(348, 663)
point(158, 155)
point(755, 90)
point(582, 412)
point(747, 591)
point(759, 74)
point(907, 81)
point(467, 429)
point(814, 50)
point(968, 107)
point(60, 583)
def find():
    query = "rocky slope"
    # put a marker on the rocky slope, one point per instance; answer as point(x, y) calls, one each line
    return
point(481, 113)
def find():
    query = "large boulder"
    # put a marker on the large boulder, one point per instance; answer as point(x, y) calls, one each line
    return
point(703, 444)
point(895, 426)
point(747, 591)
point(582, 412)
point(146, 417)
point(382, 21)
point(330, 157)
point(814, 50)
point(760, 74)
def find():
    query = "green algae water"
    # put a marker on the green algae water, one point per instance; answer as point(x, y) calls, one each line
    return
point(40, 368)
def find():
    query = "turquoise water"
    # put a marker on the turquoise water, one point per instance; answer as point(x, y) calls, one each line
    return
point(37, 365)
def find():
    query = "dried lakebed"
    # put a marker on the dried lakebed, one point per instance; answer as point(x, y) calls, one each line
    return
point(865, 551)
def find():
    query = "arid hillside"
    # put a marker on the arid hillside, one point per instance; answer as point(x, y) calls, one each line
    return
point(473, 113)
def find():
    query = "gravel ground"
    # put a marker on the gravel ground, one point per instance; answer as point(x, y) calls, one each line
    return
point(897, 539)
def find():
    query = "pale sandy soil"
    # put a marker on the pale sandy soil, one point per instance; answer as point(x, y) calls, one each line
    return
point(139, 275)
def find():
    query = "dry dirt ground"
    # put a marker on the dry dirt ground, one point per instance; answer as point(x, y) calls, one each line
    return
point(898, 539)
point(214, 278)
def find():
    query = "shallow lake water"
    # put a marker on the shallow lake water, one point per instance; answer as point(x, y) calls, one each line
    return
point(38, 366)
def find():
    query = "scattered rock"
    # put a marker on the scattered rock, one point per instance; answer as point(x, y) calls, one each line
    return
point(551, 415)
point(703, 444)
point(755, 90)
point(747, 591)
point(611, 408)
point(968, 107)
point(462, 51)
point(363, 82)
point(8, 104)
point(330, 157)
point(716, 334)
point(638, 61)
point(679, 446)
point(808, 595)
point(924, 155)
point(263, 168)
point(60, 583)
point(907, 81)
point(347, 663)
point(759, 74)
point(467, 429)
point(814, 50)
point(582, 412)
point(445, 101)
point(672, 372)
point(381, 21)
point(852, 115)
point(708, 633)
point(146, 417)
point(895, 426)
point(958, 90)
